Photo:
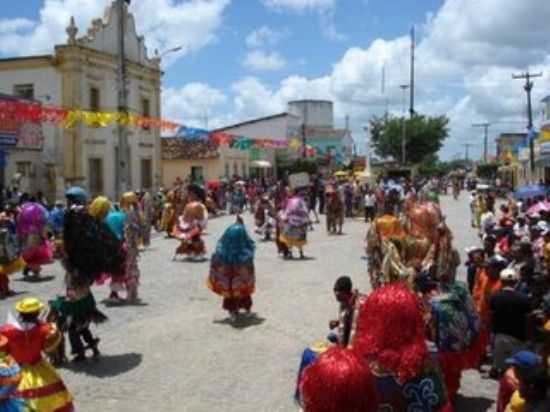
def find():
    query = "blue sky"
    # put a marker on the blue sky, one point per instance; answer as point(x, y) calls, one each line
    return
point(247, 58)
point(305, 47)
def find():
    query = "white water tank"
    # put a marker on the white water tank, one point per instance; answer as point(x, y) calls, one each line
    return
point(314, 113)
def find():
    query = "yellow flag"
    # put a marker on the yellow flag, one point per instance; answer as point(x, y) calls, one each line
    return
point(73, 117)
point(544, 136)
point(294, 144)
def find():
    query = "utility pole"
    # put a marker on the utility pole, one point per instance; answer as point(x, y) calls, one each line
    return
point(467, 150)
point(404, 87)
point(123, 152)
point(411, 81)
point(528, 87)
point(485, 138)
point(304, 131)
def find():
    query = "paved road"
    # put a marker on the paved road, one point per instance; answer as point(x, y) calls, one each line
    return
point(177, 351)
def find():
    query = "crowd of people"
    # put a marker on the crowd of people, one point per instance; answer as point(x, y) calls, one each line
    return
point(439, 326)
point(405, 345)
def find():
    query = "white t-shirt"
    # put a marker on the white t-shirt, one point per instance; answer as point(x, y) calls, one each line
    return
point(370, 200)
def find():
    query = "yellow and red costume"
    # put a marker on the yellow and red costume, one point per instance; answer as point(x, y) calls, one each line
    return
point(40, 386)
point(189, 230)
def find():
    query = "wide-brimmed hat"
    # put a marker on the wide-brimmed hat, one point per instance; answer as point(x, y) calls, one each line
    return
point(29, 305)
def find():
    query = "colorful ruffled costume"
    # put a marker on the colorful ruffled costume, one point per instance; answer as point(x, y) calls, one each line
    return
point(405, 377)
point(339, 381)
point(132, 234)
point(147, 212)
point(295, 221)
point(189, 229)
point(36, 250)
point(40, 386)
point(10, 259)
point(57, 219)
point(456, 333)
point(10, 376)
point(232, 269)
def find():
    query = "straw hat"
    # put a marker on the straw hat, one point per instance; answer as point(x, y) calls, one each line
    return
point(29, 305)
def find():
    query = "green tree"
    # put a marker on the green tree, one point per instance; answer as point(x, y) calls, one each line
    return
point(487, 170)
point(424, 136)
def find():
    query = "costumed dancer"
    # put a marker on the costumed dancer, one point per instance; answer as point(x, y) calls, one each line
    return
point(232, 269)
point(191, 225)
point(453, 325)
point(10, 377)
point(168, 216)
point(264, 217)
point(335, 211)
point(36, 250)
point(339, 381)
point(132, 231)
point(116, 221)
point(147, 211)
point(57, 217)
point(40, 387)
point(295, 224)
point(390, 337)
point(90, 252)
point(382, 248)
point(10, 260)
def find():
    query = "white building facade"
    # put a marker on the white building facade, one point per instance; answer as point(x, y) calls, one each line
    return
point(82, 74)
point(280, 126)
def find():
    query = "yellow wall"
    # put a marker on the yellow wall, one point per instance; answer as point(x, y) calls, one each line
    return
point(171, 169)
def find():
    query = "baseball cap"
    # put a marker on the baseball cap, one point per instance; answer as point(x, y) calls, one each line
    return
point(473, 249)
point(509, 274)
point(524, 358)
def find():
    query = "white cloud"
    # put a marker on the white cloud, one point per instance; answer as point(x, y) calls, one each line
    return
point(265, 36)
point(191, 104)
point(491, 32)
point(264, 61)
point(328, 26)
point(466, 54)
point(164, 23)
point(299, 6)
point(15, 25)
point(325, 9)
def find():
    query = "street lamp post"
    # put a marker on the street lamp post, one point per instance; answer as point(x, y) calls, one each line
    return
point(172, 50)
point(404, 87)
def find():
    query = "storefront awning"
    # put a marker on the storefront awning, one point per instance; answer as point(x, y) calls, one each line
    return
point(260, 164)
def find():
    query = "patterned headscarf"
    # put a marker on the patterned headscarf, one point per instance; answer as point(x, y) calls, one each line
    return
point(235, 246)
point(100, 207)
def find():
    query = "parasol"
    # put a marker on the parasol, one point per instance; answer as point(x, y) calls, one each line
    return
point(526, 192)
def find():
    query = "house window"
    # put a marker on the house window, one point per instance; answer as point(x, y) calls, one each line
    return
point(197, 174)
point(235, 169)
point(227, 170)
point(24, 91)
point(95, 176)
point(146, 174)
point(94, 99)
point(146, 111)
point(243, 168)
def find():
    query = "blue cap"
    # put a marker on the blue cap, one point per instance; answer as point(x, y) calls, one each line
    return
point(524, 358)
